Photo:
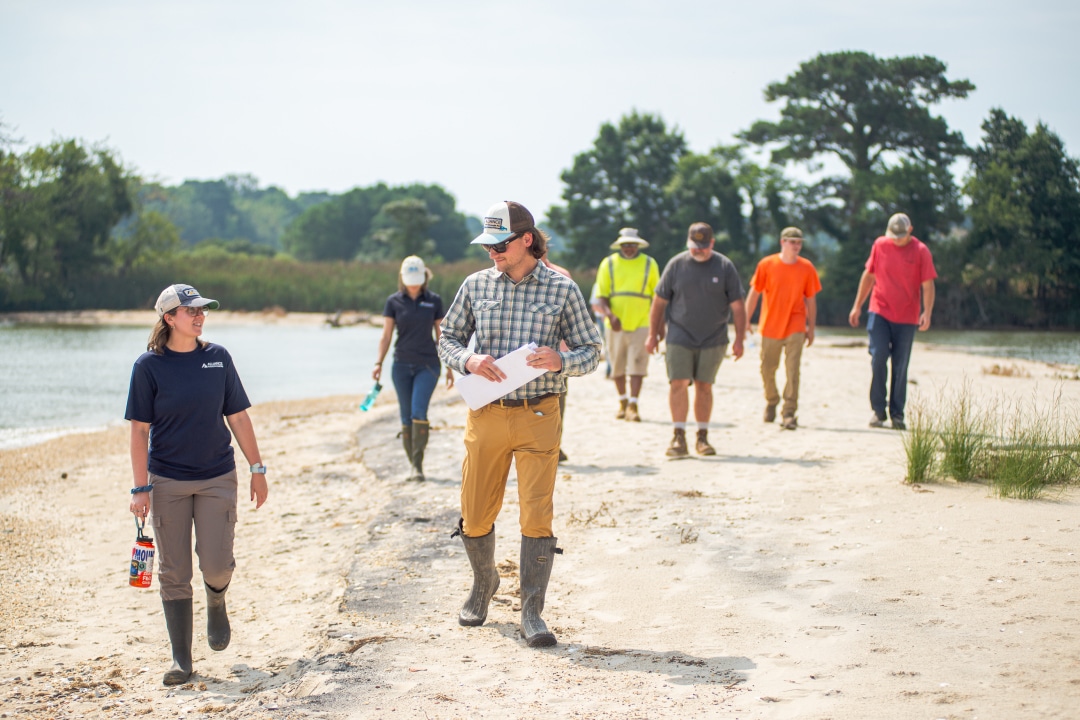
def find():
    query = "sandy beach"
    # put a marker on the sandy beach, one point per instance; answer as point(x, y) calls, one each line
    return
point(794, 575)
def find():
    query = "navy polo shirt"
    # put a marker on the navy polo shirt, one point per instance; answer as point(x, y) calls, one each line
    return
point(185, 398)
point(415, 320)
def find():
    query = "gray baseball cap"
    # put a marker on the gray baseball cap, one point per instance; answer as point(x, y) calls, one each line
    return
point(174, 296)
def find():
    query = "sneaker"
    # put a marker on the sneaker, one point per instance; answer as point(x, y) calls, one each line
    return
point(621, 415)
point(898, 424)
point(703, 446)
point(790, 423)
point(632, 413)
point(677, 448)
point(770, 413)
point(877, 421)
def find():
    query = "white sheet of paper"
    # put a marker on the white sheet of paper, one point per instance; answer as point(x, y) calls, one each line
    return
point(478, 391)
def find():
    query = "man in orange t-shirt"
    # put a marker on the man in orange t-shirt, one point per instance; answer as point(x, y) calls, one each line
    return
point(787, 285)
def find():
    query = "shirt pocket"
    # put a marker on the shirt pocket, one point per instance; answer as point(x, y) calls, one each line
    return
point(487, 314)
point(543, 318)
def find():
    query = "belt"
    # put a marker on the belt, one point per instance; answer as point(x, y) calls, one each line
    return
point(503, 402)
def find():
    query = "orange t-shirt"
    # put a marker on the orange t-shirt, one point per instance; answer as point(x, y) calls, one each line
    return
point(783, 290)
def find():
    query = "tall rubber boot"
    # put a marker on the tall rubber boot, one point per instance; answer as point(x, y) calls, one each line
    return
point(178, 621)
point(420, 431)
point(218, 632)
point(406, 441)
point(537, 554)
point(481, 552)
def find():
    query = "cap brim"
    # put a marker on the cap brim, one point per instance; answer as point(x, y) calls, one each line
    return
point(694, 246)
point(489, 238)
point(414, 278)
point(204, 302)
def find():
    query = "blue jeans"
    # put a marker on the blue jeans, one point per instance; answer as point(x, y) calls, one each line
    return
point(889, 341)
point(414, 385)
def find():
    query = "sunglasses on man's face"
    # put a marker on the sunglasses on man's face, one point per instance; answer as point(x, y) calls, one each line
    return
point(500, 248)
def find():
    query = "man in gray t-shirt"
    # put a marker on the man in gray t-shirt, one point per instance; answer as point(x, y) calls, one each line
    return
point(698, 295)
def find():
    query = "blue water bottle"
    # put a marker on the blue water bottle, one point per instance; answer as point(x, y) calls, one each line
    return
point(370, 399)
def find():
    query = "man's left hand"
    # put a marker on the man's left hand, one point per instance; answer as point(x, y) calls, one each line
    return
point(545, 358)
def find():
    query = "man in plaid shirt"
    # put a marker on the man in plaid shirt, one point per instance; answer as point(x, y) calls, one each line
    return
point(518, 301)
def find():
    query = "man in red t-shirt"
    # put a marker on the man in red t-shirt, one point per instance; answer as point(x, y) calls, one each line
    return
point(900, 272)
point(787, 285)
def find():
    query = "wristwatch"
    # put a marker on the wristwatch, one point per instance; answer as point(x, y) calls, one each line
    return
point(258, 469)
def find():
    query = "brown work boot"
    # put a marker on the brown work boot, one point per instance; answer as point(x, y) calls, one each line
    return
point(621, 415)
point(677, 448)
point(703, 446)
point(790, 423)
point(632, 413)
point(770, 413)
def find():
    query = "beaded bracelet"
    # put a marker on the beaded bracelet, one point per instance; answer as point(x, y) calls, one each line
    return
point(144, 488)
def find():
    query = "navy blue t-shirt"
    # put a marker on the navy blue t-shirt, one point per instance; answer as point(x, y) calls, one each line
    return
point(185, 398)
point(414, 320)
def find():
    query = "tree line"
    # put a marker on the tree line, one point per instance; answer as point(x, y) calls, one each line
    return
point(77, 227)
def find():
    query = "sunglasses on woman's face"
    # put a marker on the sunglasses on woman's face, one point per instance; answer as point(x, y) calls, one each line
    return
point(500, 248)
point(194, 311)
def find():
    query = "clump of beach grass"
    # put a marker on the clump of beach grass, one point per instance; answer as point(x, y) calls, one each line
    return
point(1038, 451)
point(963, 431)
point(1022, 450)
point(920, 445)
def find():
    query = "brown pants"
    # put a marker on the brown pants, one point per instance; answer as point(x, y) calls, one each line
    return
point(792, 347)
point(494, 435)
point(211, 506)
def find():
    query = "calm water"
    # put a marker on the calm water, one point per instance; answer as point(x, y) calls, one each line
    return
point(59, 379)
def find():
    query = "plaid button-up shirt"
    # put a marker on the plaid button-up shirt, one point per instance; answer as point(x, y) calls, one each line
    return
point(545, 308)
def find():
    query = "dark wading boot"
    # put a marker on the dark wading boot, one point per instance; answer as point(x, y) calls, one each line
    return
point(481, 551)
point(420, 431)
point(178, 621)
point(537, 554)
point(218, 632)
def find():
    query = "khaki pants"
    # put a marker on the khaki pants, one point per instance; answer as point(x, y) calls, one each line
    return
point(211, 506)
point(494, 435)
point(792, 347)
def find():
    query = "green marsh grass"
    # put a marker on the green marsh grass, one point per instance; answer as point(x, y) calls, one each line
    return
point(963, 430)
point(920, 446)
point(1038, 451)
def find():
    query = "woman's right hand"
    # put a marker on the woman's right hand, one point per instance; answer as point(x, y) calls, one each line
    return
point(140, 505)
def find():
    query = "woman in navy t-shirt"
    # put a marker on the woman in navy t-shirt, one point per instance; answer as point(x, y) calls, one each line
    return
point(183, 392)
point(416, 312)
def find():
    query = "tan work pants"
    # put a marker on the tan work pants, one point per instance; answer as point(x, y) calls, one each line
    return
point(792, 347)
point(209, 505)
point(494, 435)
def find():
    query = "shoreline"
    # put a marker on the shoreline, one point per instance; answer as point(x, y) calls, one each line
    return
point(793, 575)
point(147, 318)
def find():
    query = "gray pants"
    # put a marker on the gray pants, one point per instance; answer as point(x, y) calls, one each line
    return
point(211, 506)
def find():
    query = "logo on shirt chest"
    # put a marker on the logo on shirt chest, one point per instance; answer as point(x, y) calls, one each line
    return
point(213, 365)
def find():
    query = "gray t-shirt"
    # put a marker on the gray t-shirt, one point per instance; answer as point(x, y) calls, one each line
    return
point(699, 296)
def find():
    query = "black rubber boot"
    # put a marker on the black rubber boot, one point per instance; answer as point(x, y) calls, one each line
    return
point(218, 632)
point(537, 554)
point(178, 621)
point(420, 431)
point(481, 551)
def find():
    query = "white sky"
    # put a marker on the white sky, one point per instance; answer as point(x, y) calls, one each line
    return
point(490, 100)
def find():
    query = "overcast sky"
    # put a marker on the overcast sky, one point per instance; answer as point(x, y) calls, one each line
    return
point(490, 100)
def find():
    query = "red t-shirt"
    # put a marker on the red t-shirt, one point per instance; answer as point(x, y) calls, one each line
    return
point(899, 273)
point(784, 289)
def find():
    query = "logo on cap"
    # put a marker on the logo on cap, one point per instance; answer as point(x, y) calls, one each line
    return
point(494, 223)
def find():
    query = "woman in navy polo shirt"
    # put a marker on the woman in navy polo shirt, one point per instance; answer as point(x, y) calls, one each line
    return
point(183, 392)
point(416, 312)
